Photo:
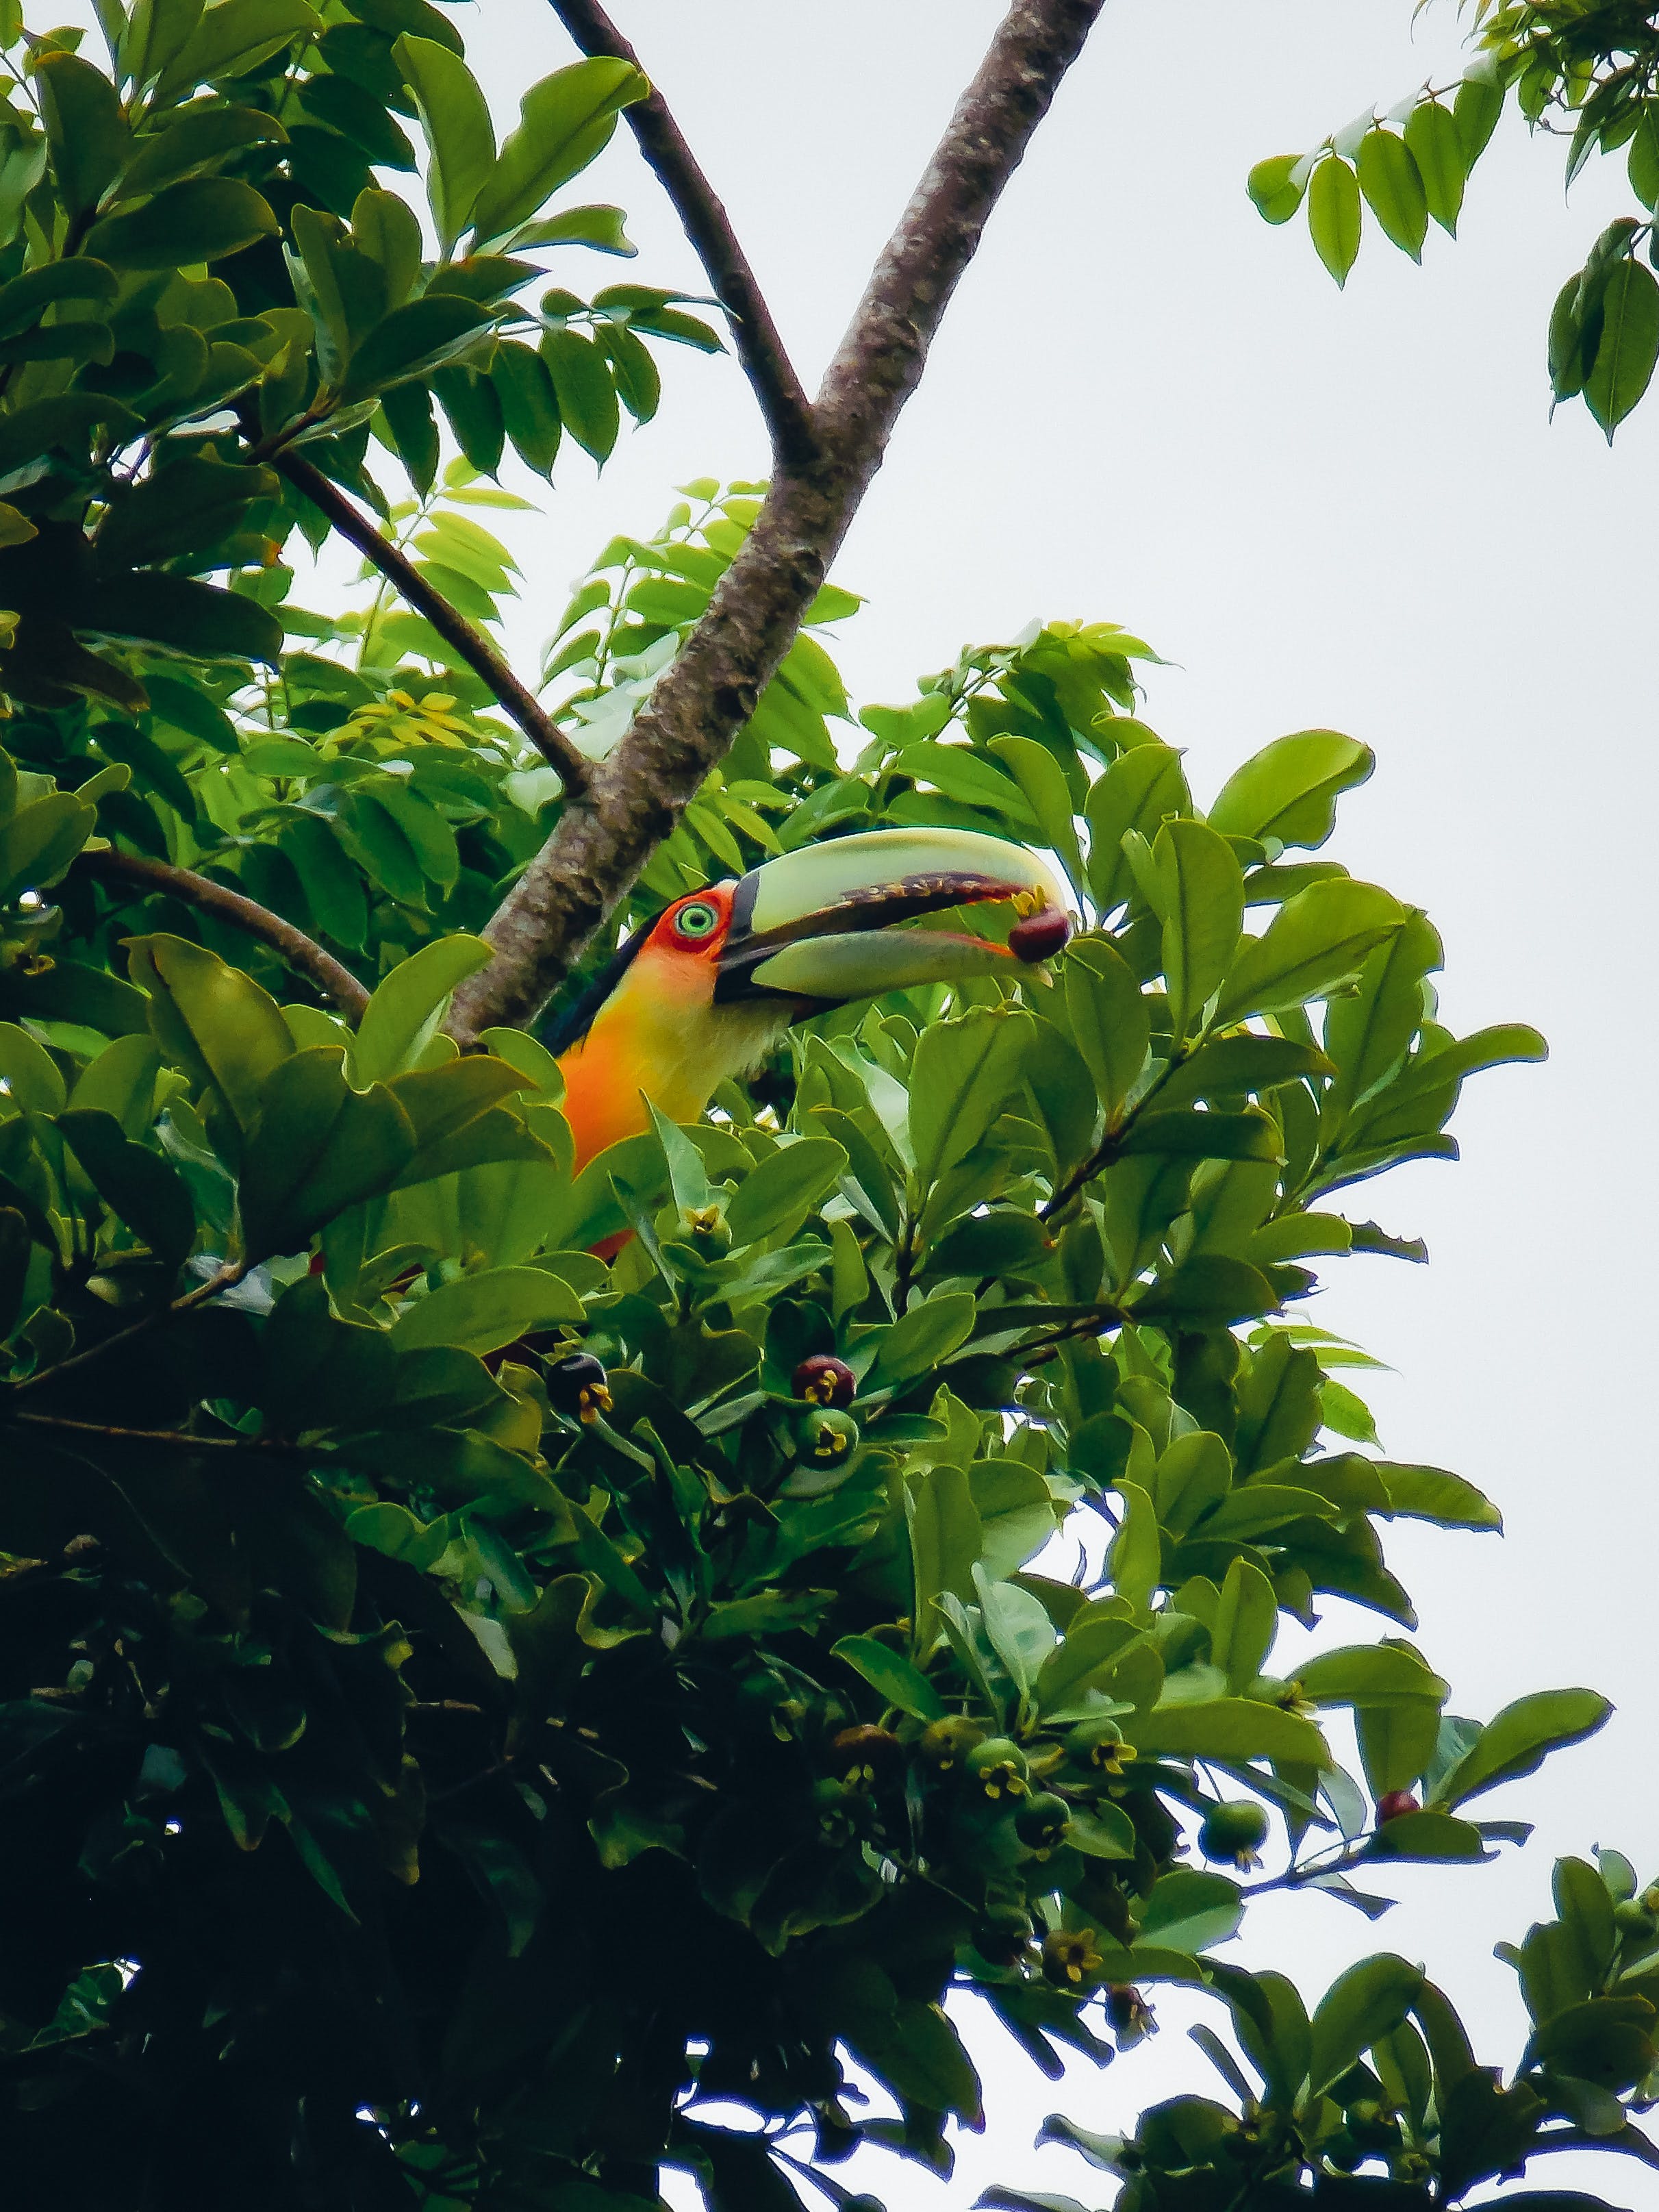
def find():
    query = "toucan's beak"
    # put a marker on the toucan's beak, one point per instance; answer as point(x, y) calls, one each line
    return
point(818, 924)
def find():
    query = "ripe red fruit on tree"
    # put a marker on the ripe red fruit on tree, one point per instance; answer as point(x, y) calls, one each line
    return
point(1393, 1803)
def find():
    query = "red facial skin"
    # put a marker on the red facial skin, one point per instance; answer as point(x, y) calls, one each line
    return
point(644, 1037)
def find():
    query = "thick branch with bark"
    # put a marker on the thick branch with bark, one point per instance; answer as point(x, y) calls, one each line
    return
point(471, 645)
point(760, 348)
point(704, 698)
point(303, 954)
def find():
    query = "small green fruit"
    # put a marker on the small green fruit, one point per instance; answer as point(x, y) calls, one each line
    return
point(1041, 1822)
point(999, 1768)
point(944, 1744)
point(1632, 1917)
point(825, 1437)
point(1233, 1833)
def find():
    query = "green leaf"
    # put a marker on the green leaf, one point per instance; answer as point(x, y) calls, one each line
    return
point(892, 1676)
point(919, 1338)
point(481, 1313)
point(1437, 147)
point(319, 1147)
point(212, 1021)
point(1317, 941)
point(1110, 1021)
point(1235, 1067)
point(566, 122)
point(586, 390)
point(1475, 110)
point(945, 1546)
point(195, 140)
point(1643, 160)
point(1288, 790)
point(190, 616)
point(1370, 1674)
point(87, 133)
point(1628, 346)
point(785, 1186)
point(1043, 785)
point(1191, 1909)
point(407, 1009)
point(1360, 2009)
point(530, 406)
point(200, 219)
point(147, 1191)
point(412, 341)
point(962, 1074)
point(1519, 1739)
point(600, 228)
point(1236, 1728)
point(1334, 216)
point(1188, 1135)
point(28, 1073)
point(1246, 1623)
point(1428, 1494)
point(231, 40)
point(40, 840)
point(455, 118)
point(1394, 189)
point(1274, 187)
point(1209, 1291)
point(1201, 904)
point(1138, 791)
point(1134, 1563)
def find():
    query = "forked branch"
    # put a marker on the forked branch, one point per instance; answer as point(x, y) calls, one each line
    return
point(703, 699)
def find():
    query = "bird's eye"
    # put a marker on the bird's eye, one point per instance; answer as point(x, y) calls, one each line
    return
point(696, 920)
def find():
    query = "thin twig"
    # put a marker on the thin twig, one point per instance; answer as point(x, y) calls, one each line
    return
point(470, 644)
point(179, 1438)
point(302, 953)
point(224, 1278)
point(705, 695)
point(761, 350)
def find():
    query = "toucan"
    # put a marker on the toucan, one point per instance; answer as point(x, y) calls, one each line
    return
point(705, 992)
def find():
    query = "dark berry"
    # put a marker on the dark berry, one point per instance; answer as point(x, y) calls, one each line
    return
point(576, 1387)
point(824, 1380)
point(1040, 936)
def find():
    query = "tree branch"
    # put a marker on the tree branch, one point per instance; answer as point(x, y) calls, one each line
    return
point(107, 1433)
point(760, 348)
point(704, 698)
point(223, 1278)
point(470, 644)
point(302, 953)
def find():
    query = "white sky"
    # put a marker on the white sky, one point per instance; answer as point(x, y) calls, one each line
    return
point(1340, 510)
point(1347, 510)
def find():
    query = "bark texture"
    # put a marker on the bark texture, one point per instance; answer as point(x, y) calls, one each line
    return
point(705, 696)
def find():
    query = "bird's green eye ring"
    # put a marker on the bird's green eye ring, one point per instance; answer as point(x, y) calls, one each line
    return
point(698, 919)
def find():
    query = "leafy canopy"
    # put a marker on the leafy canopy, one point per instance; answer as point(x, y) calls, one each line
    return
point(473, 1708)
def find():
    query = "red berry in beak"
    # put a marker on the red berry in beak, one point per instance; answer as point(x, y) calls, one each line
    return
point(1041, 936)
